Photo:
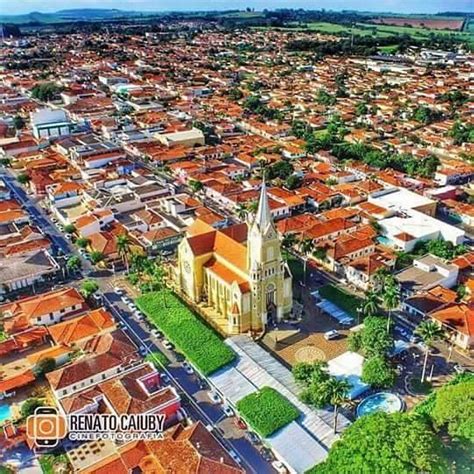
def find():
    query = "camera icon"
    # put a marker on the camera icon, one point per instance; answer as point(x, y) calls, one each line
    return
point(46, 427)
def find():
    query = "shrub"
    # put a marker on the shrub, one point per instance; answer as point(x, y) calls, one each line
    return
point(267, 411)
point(199, 343)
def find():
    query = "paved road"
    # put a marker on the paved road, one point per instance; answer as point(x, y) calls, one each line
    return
point(194, 400)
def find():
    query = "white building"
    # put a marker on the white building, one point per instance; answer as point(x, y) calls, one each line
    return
point(50, 123)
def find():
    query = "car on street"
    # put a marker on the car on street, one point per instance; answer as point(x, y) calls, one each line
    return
point(143, 351)
point(214, 397)
point(167, 344)
point(126, 299)
point(228, 411)
point(459, 369)
point(156, 333)
point(332, 334)
point(253, 437)
point(138, 315)
point(203, 385)
point(187, 368)
point(266, 454)
point(279, 467)
point(235, 456)
point(118, 291)
point(241, 424)
point(132, 306)
point(164, 378)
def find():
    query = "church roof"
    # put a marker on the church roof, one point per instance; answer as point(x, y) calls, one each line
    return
point(263, 218)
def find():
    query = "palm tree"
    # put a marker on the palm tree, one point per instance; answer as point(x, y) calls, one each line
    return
point(337, 391)
point(391, 299)
point(306, 245)
point(369, 306)
point(429, 332)
point(288, 241)
point(241, 211)
point(252, 207)
point(123, 248)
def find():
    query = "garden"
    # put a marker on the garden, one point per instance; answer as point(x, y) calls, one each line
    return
point(345, 301)
point(267, 411)
point(198, 342)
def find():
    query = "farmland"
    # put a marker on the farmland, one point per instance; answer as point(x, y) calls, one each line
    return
point(455, 24)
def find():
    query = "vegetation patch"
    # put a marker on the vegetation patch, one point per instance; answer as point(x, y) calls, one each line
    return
point(198, 342)
point(158, 359)
point(267, 411)
point(347, 302)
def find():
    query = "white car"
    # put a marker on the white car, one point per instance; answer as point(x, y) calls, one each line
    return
point(138, 315)
point(228, 411)
point(279, 467)
point(187, 368)
point(156, 333)
point(117, 290)
point(167, 344)
point(126, 299)
point(132, 306)
point(333, 334)
point(235, 456)
point(214, 397)
point(143, 351)
point(164, 378)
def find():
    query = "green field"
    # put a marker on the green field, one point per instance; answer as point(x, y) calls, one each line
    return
point(346, 301)
point(267, 411)
point(198, 342)
point(380, 31)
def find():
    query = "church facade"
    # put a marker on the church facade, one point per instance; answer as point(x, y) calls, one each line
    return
point(237, 271)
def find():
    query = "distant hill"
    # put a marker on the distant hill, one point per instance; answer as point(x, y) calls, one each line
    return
point(78, 14)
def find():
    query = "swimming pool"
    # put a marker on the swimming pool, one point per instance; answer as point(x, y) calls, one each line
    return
point(5, 413)
point(382, 401)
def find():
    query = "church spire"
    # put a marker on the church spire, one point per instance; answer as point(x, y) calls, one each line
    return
point(263, 218)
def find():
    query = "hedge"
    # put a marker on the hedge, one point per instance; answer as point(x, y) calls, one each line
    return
point(267, 411)
point(198, 342)
point(343, 300)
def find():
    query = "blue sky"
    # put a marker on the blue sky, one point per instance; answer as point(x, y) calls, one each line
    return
point(405, 6)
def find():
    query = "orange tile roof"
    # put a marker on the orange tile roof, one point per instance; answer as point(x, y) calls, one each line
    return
point(81, 327)
point(457, 316)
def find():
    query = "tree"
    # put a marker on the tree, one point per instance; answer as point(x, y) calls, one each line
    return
point(312, 378)
point(378, 372)
point(45, 92)
point(252, 207)
point(337, 393)
point(369, 306)
point(390, 297)
point(374, 339)
point(241, 211)
point(429, 331)
point(18, 122)
point(306, 246)
point(45, 365)
point(123, 248)
point(88, 288)
point(23, 178)
point(293, 181)
point(69, 228)
point(454, 408)
point(196, 185)
point(82, 242)
point(73, 263)
point(97, 256)
point(320, 253)
point(381, 442)
point(288, 241)
point(29, 406)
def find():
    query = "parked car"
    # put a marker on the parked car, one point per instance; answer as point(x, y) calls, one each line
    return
point(143, 350)
point(279, 467)
point(241, 424)
point(235, 456)
point(138, 315)
point(228, 411)
point(125, 299)
point(164, 378)
point(187, 368)
point(459, 369)
point(267, 454)
point(156, 333)
point(167, 344)
point(132, 306)
point(214, 397)
point(117, 290)
point(253, 437)
point(333, 334)
point(203, 384)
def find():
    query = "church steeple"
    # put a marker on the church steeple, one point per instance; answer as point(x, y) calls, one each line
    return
point(263, 218)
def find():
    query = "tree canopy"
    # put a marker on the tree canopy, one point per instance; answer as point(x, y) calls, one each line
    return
point(395, 443)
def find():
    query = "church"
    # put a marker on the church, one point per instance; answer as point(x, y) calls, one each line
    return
point(238, 272)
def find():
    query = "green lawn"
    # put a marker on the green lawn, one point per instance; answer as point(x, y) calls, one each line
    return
point(296, 266)
point(197, 341)
point(267, 411)
point(344, 300)
point(53, 463)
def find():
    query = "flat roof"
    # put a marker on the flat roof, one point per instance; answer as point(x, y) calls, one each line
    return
point(348, 366)
point(400, 198)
